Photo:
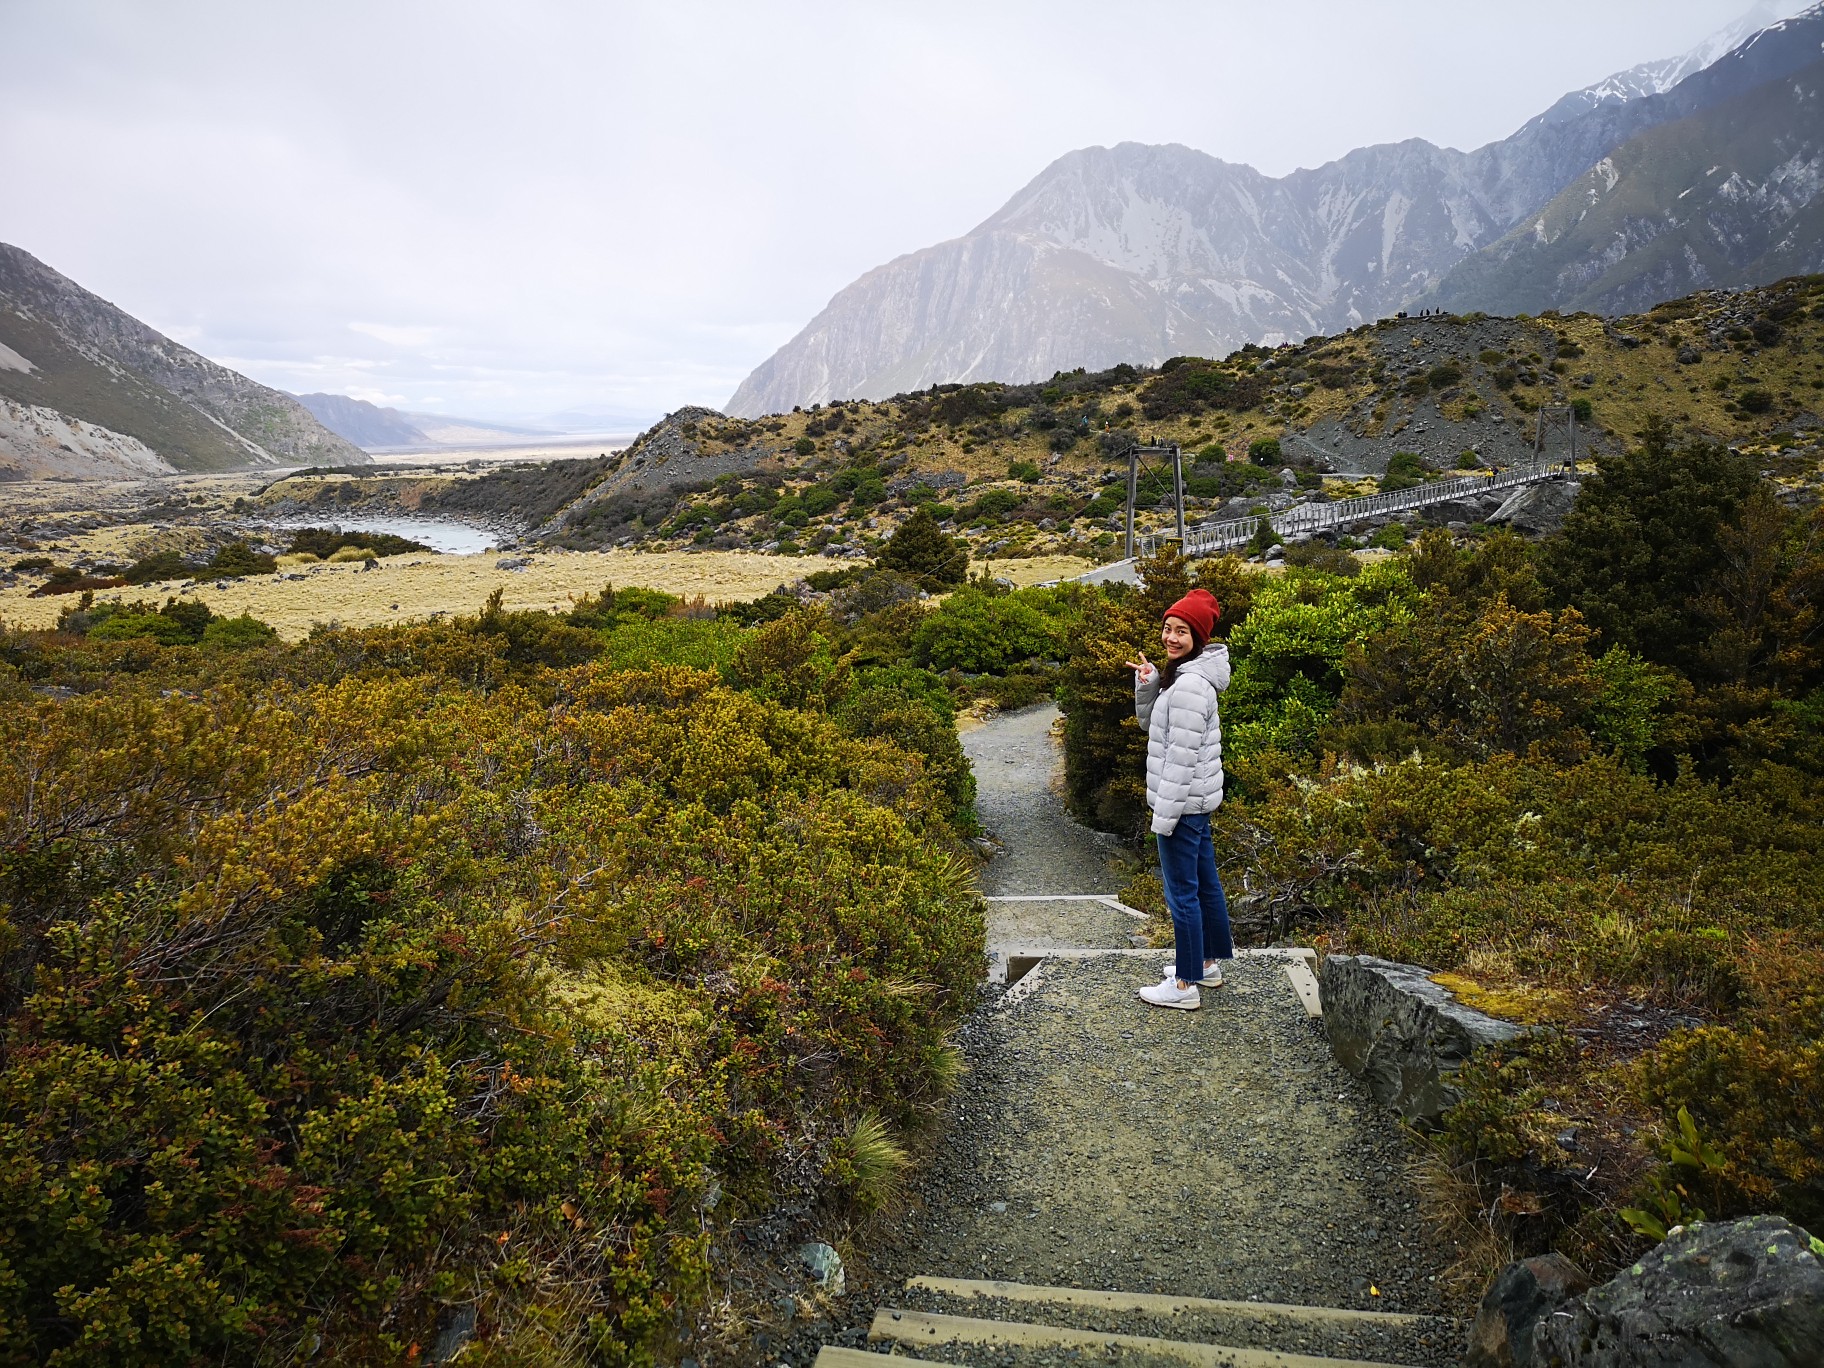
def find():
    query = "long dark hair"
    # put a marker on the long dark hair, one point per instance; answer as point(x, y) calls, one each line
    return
point(1169, 671)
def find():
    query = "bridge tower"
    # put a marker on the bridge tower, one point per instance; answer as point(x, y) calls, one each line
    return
point(1136, 457)
point(1553, 419)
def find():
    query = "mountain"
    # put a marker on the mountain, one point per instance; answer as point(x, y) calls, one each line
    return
point(1138, 253)
point(1730, 196)
point(364, 424)
point(1655, 78)
point(143, 402)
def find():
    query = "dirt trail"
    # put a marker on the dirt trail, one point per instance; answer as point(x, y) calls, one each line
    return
point(1100, 1143)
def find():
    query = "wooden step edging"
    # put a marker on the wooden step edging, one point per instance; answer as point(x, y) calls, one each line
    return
point(1157, 1303)
point(914, 1328)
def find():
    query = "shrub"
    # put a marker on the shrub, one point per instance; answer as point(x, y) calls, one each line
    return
point(407, 988)
point(1264, 451)
point(1444, 375)
point(323, 543)
point(1582, 410)
point(979, 633)
point(1644, 534)
point(1754, 401)
point(923, 554)
point(804, 446)
point(160, 565)
point(1404, 470)
point(237, 559)
point(1026, 471)
point(1756, 1091)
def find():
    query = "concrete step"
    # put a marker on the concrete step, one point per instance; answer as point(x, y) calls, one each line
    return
point(1159, 1303)
point(949, 1338)
point(1321, 1332)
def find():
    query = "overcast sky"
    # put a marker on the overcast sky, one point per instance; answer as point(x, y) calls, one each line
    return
point(515, 208)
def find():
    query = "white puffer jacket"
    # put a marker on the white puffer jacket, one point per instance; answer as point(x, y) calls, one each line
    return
point(1183, 737)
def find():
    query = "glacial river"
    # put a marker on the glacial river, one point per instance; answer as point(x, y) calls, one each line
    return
point(451, 538)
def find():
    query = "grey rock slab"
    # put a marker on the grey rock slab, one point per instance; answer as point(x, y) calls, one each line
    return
point(1539, 509)
point(1402, 1034)
point(1733, 1294)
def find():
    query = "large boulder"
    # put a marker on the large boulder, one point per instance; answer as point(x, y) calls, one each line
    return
point(1406, 1036)
point(1727, 1294)
point(1537, 510)
point(1524, 1294)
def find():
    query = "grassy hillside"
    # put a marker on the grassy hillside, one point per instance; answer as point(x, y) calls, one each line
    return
point(1038, 469)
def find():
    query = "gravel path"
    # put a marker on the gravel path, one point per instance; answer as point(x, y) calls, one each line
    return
point(1100, 1143)
point(1019, 784)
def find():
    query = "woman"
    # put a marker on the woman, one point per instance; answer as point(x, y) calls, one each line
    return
point(1177, 706)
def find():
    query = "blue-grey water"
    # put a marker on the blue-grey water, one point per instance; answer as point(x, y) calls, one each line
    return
point(451, 538)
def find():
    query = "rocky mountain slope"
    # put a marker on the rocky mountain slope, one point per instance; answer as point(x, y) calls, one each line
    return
point(1728, 197)
point(69, 353)
point(1139, 253)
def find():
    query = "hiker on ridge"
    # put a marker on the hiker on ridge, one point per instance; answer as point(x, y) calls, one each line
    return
point(1177, 706)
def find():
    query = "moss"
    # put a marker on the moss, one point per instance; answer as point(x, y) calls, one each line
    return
point(1531, 1006)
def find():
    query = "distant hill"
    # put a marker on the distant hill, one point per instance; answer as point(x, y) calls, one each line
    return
point(364, 424)
point(1137, 253)
point(1040, 468)
point(142, 401)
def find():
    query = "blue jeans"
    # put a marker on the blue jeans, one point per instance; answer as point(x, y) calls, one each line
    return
point(1200, 912)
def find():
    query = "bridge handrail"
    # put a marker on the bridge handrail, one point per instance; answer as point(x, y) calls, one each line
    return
point(1215, 536)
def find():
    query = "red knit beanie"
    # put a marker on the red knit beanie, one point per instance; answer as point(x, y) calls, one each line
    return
point(1198, 610)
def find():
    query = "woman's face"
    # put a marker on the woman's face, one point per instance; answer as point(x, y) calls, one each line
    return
point(1176, 634)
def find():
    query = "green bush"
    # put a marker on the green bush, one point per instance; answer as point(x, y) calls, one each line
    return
point(1026, 471)
point(979, 633)
point(237, 559)
point(923, 554)
point(427, 978)
point(1404, 470)
point(804, 446)
point(1264, 451)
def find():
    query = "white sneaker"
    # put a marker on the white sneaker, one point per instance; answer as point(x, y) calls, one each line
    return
point(1167, 993)
point(1212, 975)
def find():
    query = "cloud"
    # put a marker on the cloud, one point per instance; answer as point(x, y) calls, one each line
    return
point(396, 336)
point(561, 204)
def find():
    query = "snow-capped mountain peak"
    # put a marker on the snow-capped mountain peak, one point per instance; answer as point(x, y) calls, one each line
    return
point(1657, 77)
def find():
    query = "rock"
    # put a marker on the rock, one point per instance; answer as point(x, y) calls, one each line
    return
point(1537, 510)
point(1725, 1294)
point(1390, 1025)
point(1521, 1296)
point(1454, 510)
point(824, 1265)
point(455, 1328)
point(1689, 355)
point(512, 563)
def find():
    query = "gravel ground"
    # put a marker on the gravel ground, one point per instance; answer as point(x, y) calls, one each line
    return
point(1097, 1142)
point(1019, 774)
